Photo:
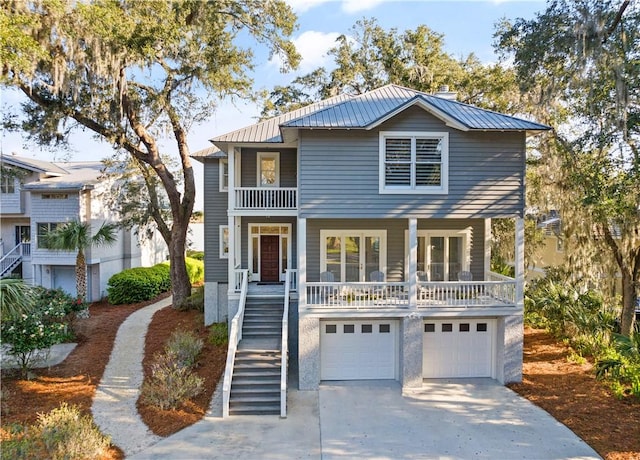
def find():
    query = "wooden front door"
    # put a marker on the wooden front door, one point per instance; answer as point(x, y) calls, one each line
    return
point(269, 258)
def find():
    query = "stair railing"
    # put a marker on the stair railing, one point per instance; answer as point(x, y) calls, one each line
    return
point(284, 347)
point(235, 336)
point(10, 258)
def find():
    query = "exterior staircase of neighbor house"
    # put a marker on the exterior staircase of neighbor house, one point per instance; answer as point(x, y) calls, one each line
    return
point(10, 261)
point(255, 386)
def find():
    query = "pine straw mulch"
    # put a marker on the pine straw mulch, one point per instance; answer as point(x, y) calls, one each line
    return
point(566, 390)
point(571, 393)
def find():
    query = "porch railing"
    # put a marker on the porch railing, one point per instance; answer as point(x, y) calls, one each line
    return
point(431, 294)
point(283, 198)
point(235, 335)
point(284, 347)
point(11, 259)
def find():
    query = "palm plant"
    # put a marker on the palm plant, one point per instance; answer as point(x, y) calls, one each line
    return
point(76, 236)
point(16, 298)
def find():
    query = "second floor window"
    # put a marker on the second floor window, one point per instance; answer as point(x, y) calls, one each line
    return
point(414, 162)
point(43, 228)
point(224, 175)
point(268, 169)
point(8, 185)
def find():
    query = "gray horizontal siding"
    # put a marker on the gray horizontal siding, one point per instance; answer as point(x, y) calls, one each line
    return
point(339, 173)
point(396, 234)
point(215, 214)
point(288, 167)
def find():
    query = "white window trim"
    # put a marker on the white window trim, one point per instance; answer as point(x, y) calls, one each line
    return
point(466, 243)
point(222, 187)
point(259, 157)
point(382, 234)
point(222, 253)
point(444, 186)
point(8, 185)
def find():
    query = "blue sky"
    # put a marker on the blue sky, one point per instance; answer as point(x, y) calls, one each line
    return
point(467, 26)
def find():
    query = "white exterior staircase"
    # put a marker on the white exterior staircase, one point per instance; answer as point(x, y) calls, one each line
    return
point(255, 385)
point(10, 261)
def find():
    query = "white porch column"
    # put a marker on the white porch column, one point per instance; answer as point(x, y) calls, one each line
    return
point(487, 248)
point(231, 196)
point(413, 262)
point(519, 263)
point(302, 262)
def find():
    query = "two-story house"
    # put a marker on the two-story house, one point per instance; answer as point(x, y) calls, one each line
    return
point(376, 209)
point(35, 197)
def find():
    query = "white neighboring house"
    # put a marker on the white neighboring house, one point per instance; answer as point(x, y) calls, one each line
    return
point(42, 195)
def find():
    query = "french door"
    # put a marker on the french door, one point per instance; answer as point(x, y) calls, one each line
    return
point(352, 255)
point(443, 254)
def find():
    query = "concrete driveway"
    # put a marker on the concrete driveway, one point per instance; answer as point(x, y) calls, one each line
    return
point(373, 420)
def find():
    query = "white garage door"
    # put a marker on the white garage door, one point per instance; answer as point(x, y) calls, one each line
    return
point(458, 348)
point(65, 278)
point(358, 350)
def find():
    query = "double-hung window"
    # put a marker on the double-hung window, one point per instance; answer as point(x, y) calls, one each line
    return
point(414, 162)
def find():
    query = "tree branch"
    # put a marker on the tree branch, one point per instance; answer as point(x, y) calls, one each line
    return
point(616, 20)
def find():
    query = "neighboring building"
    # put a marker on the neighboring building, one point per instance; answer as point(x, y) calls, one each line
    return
point(35, 197)
point(377, 205)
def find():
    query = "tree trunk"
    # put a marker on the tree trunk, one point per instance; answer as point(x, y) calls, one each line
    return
point(181, 286)
point(628, 304)
point(81, 276)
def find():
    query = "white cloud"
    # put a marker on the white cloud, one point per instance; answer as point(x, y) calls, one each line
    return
point(300, 6)
point(356, 6)
point(313, 47)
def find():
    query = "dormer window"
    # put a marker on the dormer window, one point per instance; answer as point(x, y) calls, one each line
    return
point(414, 162)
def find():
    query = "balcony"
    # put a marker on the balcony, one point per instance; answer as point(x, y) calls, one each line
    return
point(266, 199)
point(497, 292)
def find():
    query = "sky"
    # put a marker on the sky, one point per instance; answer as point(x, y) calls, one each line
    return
point(467, 27)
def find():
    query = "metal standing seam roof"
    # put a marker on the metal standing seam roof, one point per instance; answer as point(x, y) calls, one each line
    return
point(79, 175)
point(366, 111)
point(369, 108)
point(32, 164)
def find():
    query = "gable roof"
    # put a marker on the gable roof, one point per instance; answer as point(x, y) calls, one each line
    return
point(79, 175)
point(31, 164)
point(366, 111)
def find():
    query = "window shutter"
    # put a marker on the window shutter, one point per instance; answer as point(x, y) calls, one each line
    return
point(397, 162)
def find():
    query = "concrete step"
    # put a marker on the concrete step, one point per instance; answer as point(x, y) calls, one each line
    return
point(255, 410)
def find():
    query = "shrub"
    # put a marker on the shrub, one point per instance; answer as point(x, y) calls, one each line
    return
point(138, 284)
point(198, 255)
point(194, 302)
point(185, 346)
point(219, 334)
point(63, 433)
point(195, 270)
point(30, 335)
point(171, 383)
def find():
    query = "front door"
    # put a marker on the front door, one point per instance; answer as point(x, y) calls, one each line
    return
point(269, 258)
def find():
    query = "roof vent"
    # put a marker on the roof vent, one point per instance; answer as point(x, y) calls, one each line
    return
point(444, 93)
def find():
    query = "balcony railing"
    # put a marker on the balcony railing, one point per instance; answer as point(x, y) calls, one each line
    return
point(257, 198)
point(375, 295)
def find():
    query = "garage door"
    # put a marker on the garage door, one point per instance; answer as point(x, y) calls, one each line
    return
point(65, 278)
point(458, 348)
point(358, 350)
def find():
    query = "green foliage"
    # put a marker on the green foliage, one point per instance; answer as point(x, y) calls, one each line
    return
point(185, 346)
point(195, 301)
point(30, 334)
point(62, 434)
point(371, 56)
point(219, 334)
point(138, 284)
point(16, 298)
point(198, 255)
point(172, 380)
point(195, 270)
point(621, 365)
point(580, 61)
point(149, 69)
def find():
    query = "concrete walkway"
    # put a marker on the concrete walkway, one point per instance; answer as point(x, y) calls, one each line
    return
point(114, 404)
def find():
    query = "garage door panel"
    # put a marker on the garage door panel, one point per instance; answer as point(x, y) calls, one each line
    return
point(358, 350)
point(458, 348)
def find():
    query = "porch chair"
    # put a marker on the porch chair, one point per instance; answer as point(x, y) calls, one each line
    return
point(329, 292)
point(378, 277)
point(423, 291)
